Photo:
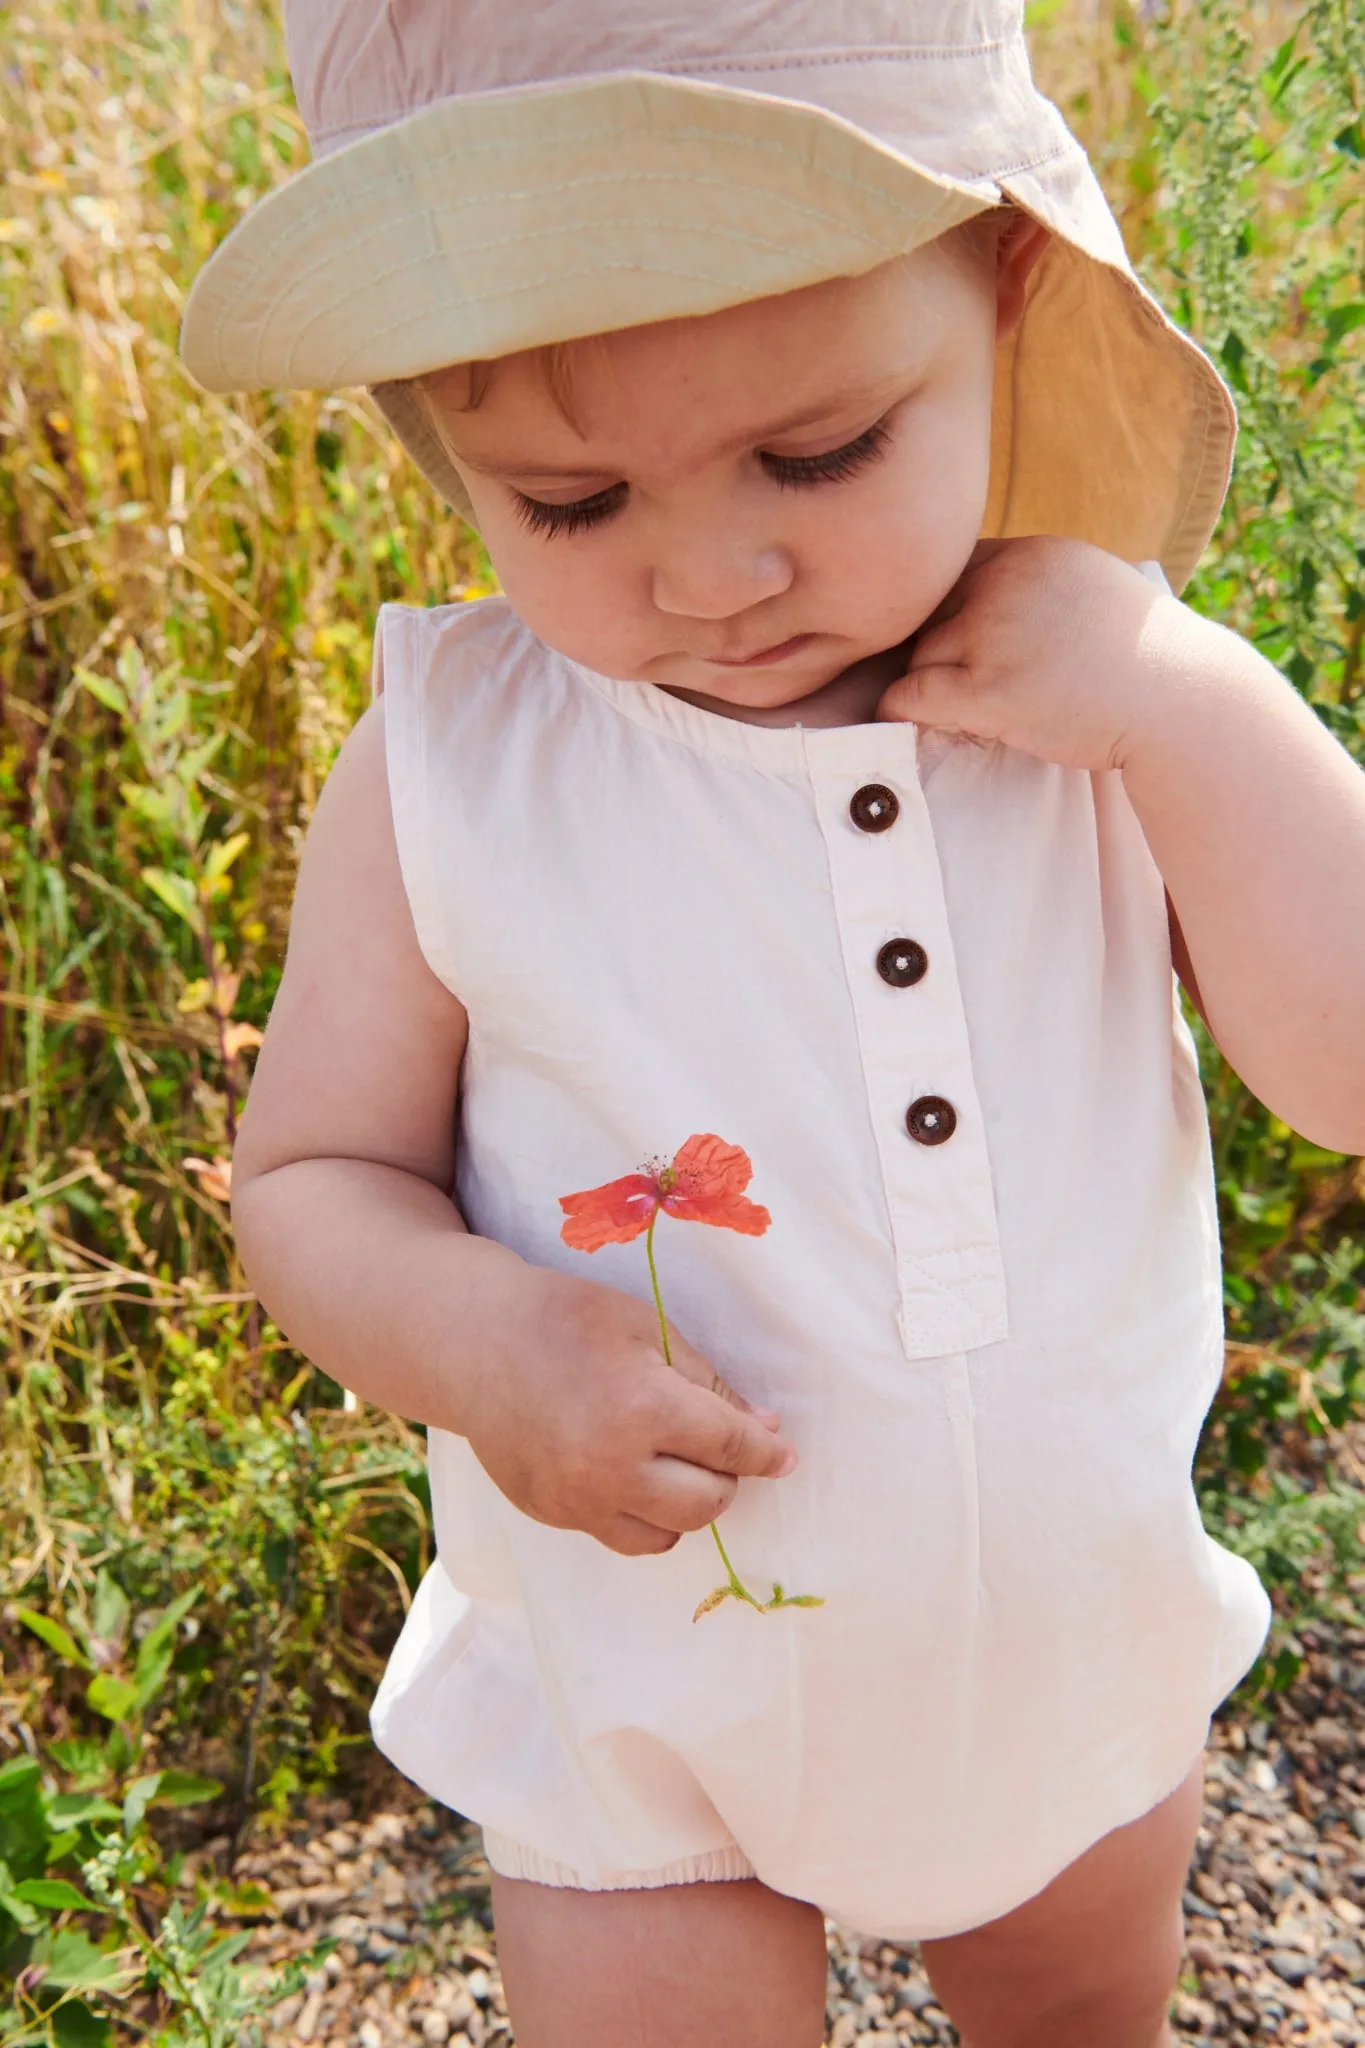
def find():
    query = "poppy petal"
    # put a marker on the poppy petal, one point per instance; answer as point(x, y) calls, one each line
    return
point(709, 1179)
point(613, 1214)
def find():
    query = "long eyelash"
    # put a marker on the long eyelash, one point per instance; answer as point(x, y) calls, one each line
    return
point(578, 517)
point(833, 466)
point(786, 470)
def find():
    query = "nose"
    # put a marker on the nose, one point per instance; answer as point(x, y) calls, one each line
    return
point(708, 574)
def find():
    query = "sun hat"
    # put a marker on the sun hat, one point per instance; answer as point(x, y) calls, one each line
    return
point(493, 175)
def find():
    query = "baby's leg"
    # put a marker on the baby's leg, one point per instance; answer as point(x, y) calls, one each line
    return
point(730, 1965)
point(1093, 1959)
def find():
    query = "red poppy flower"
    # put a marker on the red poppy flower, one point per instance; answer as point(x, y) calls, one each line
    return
point(704, 1183)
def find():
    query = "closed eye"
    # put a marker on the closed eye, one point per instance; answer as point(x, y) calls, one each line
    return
point(792, 471)
point(577, 517)
point(789, 472)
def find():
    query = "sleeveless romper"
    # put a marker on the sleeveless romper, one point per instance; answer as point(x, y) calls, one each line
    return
point(993, 1353)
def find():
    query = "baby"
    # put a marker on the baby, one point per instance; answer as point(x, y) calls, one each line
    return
point(830, 781)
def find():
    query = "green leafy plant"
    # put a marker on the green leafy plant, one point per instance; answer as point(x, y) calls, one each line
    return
point(212, 1477)
point(74, 1946)
point(80, 1954)
point(101, 1647)
point(93, 1936)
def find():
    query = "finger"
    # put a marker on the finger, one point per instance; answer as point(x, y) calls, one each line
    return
point(939, 647)
point(699, 1425)
point(630, 1536)
point(937, 697)
point(671, 1493)
point(702, 1373)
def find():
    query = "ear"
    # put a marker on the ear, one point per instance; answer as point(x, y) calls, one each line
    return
point(1022, 241)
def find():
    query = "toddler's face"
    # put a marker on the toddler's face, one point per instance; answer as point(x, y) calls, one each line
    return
point(743, 506)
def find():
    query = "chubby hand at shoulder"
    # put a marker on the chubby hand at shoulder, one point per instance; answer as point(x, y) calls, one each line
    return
point(1049, 646)
point(1254, 813)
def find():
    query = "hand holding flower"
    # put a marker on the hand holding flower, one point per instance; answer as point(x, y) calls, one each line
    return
point(704, 1183)
point(578, 1420)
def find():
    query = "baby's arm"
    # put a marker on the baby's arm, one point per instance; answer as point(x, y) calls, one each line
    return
point(345, 1222)
point(1254, 814)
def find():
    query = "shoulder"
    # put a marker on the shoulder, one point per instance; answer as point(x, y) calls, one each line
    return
point(458, 679)
point(355, 900)
point(351, 835)
point(362, 1052)
point(416, 641)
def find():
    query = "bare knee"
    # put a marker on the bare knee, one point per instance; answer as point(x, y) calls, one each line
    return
point(1116, 2014)
point(730, 1965)
point(1093, 1958)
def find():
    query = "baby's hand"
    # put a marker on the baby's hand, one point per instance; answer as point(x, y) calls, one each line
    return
point(582, 1424)
point(1049, 646)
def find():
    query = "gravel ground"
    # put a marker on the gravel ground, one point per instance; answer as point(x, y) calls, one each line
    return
point(1275, 1912)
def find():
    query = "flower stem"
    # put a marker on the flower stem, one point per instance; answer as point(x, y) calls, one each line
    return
point(654, 1283)
point(737, 1585)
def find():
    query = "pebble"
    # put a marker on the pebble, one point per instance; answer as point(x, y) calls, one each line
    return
point(436, 2027)
point(1291, 1964)
point(914, 1997)
point(454, 2001)
point(306, 2024)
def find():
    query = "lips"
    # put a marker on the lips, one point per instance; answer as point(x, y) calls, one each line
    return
point(780, 651)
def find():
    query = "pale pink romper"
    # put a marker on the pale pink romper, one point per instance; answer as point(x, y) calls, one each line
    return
point(992, 1353)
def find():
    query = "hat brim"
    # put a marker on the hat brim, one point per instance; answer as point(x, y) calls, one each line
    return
point(483, 225)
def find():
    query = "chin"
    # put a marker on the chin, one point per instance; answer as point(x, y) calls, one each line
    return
point(767, 689)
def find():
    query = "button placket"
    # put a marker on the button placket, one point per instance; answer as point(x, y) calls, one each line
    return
point(912, 1033)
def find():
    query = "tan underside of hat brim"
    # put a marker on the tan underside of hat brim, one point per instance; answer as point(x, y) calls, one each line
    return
point(1110, 426)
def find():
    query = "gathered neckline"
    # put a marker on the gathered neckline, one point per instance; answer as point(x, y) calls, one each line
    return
point(789, 749)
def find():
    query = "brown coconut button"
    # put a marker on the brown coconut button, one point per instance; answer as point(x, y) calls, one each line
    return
point(931, 1120)
point(902, 962)
point(874, 807)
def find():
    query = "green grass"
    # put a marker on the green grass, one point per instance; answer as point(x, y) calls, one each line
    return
point(187, 586)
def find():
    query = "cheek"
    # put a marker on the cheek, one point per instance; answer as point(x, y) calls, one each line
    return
point(574, 595)
point(910, 528)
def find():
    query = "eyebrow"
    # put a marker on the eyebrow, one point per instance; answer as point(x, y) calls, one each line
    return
point(879, 394)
